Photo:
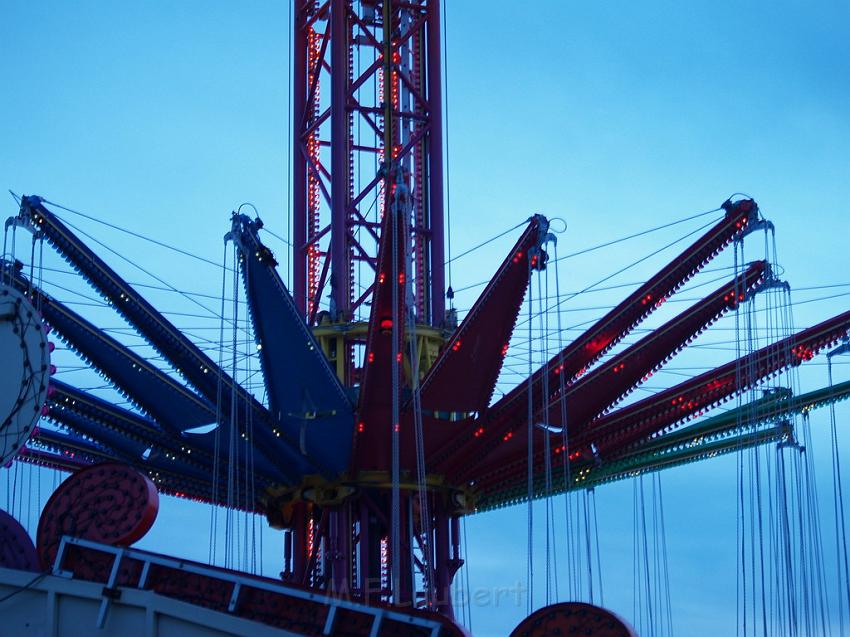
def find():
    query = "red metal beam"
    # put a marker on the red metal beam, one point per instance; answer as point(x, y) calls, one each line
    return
point(691, 398)
point(299, 163)
point(610, 436)
point(460, 383)
point(574, 360)
point(434, 150)
point(372, 448)
point(340, 155)
point(608, 384)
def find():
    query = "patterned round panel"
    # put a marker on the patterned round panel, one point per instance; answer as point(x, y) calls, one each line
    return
point(25, 360)
point(109, 503)
point(16, 548)
point(573, 618)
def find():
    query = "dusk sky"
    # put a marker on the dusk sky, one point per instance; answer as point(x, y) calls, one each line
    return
point(617, 117)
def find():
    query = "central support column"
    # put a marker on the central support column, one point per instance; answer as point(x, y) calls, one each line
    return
point(442, 573)
point(340, 152)
point(435, 167)
point(366, 93)
point(340, 547)
point(299, 162)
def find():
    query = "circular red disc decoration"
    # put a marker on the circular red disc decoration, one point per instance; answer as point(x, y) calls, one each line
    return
point(573, 618)
point(109, 503)
point(16, 548)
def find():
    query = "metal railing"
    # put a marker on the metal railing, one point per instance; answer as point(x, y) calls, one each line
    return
point(238, 581)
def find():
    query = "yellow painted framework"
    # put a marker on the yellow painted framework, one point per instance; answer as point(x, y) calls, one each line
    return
point(333, 337)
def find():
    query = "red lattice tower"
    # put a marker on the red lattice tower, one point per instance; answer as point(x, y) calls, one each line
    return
point(338, 152)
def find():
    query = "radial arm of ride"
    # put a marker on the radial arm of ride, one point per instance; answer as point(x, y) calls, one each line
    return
point(176, 348)
point(372, 444)
point(758, 422)
point(307, 401)
point(173, 405)
point(579, 403)
point(475, 444)
point(615, 435)
point(618, 323)
point(460, 383)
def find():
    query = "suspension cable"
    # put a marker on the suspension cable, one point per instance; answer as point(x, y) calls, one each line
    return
point(233, 454)
point(640, 234)
point(149, 273)
point(563, 300)
point(542, 301)
point(216, 496)
point(249, 483)
point(487, 242)
point(446, 144)
point(838, 512)
point(530, 454)
point(565, 437)
point(466, 575)
point(132, 233)
point(421, 476)
point(598, 552)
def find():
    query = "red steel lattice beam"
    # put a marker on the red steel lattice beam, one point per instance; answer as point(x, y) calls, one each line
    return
point(588, 348)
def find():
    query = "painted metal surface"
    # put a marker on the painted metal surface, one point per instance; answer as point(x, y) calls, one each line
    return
point(109, 503)
point(174, 405)
point(84, 535)
point(573, 618)
point(310, 406)
point(56, 606)
point(459, 386)
point(175, 347)
point(261, 600)
point(599, 391)
point(16, 548)
point(386, 324)
point(339, 84)
point(327, 477)
point(589, 347)
point(610, 436)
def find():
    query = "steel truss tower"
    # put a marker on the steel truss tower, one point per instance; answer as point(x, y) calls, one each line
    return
point(342, 124)
point(367, 141)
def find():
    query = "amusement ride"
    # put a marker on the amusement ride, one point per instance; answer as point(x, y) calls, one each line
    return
point(376, 426)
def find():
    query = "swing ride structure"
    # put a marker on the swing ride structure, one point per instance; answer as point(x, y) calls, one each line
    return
point(378, 428)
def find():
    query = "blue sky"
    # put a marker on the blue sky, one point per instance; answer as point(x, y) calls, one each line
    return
point(162, 117)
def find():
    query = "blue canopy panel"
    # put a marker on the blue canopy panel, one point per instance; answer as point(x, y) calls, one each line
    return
point(120, 447)
point(74, 446)
point(104, 421)
point(70, 451)
point(174, 406)
point(127, 423)
point(306, 399)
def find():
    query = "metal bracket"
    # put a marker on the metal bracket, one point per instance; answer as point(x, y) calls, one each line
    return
point(844, 348)
point(329, 622)
point(110, 591)
point(758, 224)
point(376, 624)
point(234, 597)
